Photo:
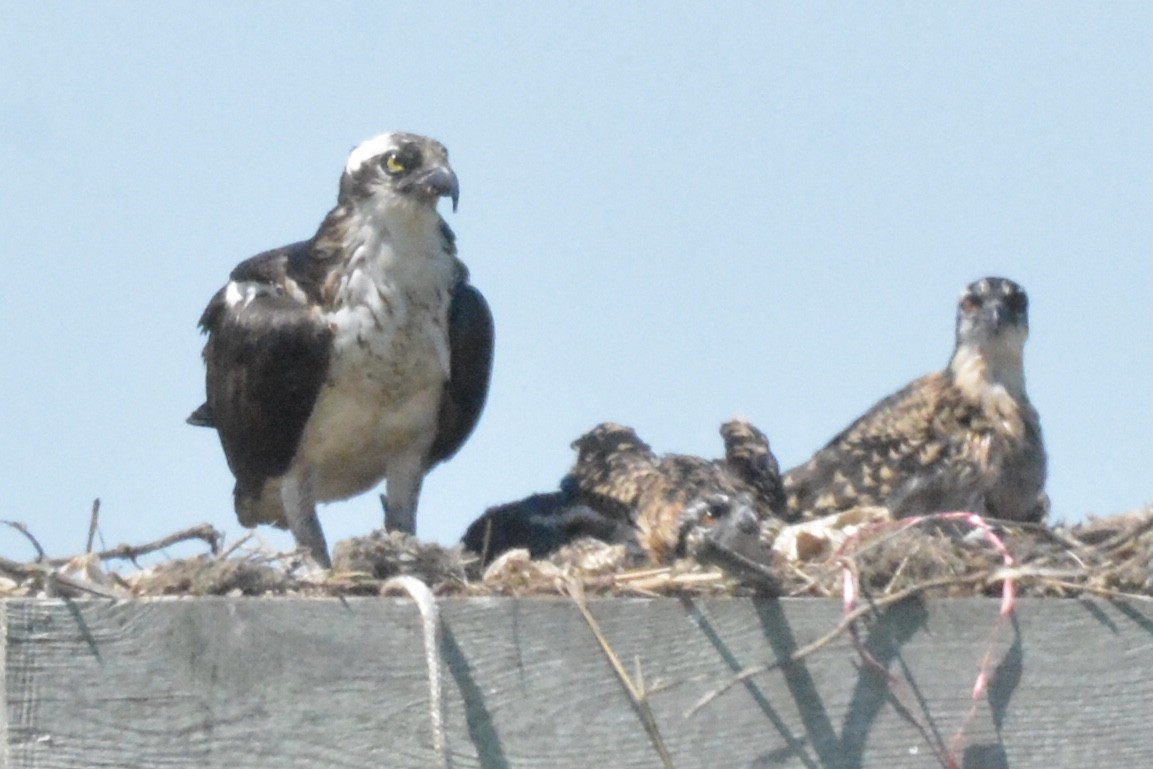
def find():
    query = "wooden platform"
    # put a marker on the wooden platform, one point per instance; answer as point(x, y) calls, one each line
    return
point(283, 683)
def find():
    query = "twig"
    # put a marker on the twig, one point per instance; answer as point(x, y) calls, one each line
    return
point(1104, 592)
point(897, 572)
point(487, 543)
point(637, 693)
point(234, 547)
point(642, 574)
point(430, 626)
point(92, 523)
point(52, 578)
point(801, 574)
point(40, 556)
point(203, 532)
point(1057, 535)
point(17, 569)
point(1125, 536)
point(846, 622)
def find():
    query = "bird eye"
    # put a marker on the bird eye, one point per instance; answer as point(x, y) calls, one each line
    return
point(392, 164)
point(970, 304)
point(715, 511)
point(701, 514)
point(1017, 302)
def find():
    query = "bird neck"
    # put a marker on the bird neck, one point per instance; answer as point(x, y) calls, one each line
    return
point(401, 241)
point(978, 369)
point(395, 217)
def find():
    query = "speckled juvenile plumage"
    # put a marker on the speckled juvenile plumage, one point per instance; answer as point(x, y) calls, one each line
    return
point(965, 438)
point(619, 490)
point(619, 474)
point(749, 459)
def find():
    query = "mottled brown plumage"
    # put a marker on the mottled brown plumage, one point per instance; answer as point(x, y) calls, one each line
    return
point(619, 490)
point(749, 459)
point(965, 438)
point(618, 474)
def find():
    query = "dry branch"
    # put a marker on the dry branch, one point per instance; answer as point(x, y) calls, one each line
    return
point(636, 691)
point(203, 532)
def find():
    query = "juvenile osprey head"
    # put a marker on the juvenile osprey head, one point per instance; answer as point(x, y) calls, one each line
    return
point(992, 326)
point(727, 531)
point(993, 313)
point(717, 518)
point(397, 168)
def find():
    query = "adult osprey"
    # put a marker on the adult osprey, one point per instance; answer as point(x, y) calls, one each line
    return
point(358, 355)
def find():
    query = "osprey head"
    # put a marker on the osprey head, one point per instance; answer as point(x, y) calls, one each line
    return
point(712, 516)
point(993, 313)
point(719, 528)
point(398, 167)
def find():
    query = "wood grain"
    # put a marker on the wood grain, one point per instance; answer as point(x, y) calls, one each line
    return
point(247, 683)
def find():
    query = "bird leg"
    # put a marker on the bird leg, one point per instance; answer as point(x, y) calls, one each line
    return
point(300, 509)
point(403, 482)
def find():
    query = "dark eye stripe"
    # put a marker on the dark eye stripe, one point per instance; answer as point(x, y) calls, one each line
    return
point(403, 160)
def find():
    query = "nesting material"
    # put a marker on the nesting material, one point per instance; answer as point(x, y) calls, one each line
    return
point(815, 540)
point(1111, 557)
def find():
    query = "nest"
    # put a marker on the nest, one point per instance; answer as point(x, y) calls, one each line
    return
point(936, 555)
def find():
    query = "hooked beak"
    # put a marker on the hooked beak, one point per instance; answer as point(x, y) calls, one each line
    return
point(436, 182)
point(1003, 317)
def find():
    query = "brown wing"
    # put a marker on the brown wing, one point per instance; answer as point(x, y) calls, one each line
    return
point(749, 459)
point(470, 339)
point(909, 448)
point(266, 359)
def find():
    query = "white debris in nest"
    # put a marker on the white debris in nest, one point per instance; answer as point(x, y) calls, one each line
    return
point(817, 539)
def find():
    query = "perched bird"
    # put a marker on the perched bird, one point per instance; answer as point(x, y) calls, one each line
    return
point(358, 355)
point(965, 438)
point(620, 491)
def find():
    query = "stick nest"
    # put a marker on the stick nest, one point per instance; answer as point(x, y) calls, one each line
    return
point(1111, 557)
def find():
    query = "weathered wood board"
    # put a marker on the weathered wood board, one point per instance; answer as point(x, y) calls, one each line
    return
point(245, 683)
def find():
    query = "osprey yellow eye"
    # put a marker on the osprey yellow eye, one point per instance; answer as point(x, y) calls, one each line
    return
point(392, 165)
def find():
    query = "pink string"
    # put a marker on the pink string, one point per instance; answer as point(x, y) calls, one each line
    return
point(851, 591)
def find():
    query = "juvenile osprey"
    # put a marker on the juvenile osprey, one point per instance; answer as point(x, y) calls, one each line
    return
point(620, 491)
point(358, 355)
point(965, 438)
point(664, 496)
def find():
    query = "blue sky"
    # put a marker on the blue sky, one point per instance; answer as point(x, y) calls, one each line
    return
point(678, 212)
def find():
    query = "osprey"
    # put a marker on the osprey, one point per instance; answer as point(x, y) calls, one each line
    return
point(665, 496)
point(660, 507)
point(358, 355)
point(964, 438)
